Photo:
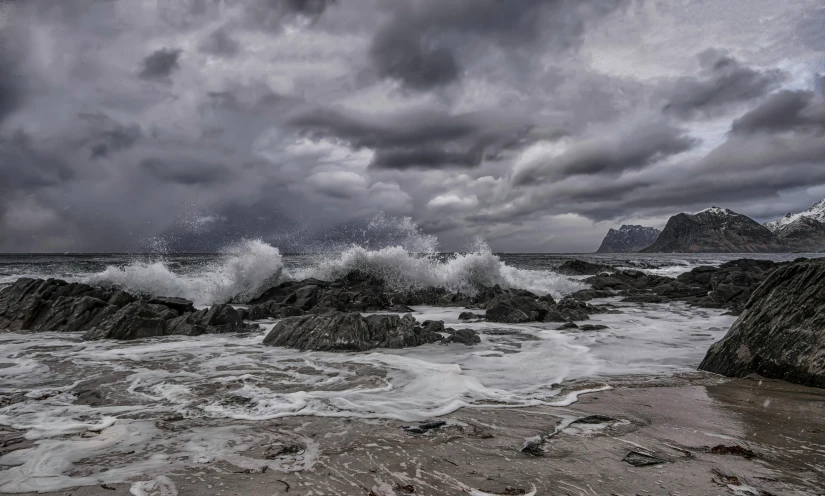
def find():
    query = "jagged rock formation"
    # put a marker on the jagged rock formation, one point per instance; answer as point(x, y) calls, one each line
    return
point(359, 292)
point(728, 286)
point(582, 268)
point(341, 331)
point(628, 239)
point(39, 305)
point(715, 230)
point(781, 332)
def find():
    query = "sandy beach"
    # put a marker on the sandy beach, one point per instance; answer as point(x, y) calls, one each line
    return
point(683, 431)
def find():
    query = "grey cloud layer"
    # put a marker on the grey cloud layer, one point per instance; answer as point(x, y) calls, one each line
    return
point(536, 124)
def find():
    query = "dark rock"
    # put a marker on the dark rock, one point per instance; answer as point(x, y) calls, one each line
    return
point(512, 309)
point(582, 268)
point(52, 305)
point(469, 316)
point(593, 419)
point(340, 331)
point(592, 327)
point(121, 299)
point(641, 459)
point(424, 427)
point(534, 447)
point(733, 450)
point(88, 394)
point(135, 320)
point(180, 305)
point(463, 336)
point(590, 294)
point(626, 280)
point(781, 332)
point(644, 298)
point(628, 239)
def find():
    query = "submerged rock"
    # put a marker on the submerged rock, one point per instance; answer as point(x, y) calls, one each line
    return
point(781, 332)
point(463, 336)
point(582, 268)
point(350, 331)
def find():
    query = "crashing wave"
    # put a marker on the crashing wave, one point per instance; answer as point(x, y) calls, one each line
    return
point(409, 260)
point(242, 273)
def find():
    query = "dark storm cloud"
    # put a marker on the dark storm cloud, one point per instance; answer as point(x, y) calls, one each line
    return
point(784, 111)
point(431, 157)
point(425, 139)
point(12, 84)
point(11, 90)
point(631, 149)
point(185, 170)
point(419, 45)
point(24, 167)
point(160, 64)
point(724, 81)
point(220, 42)
point(418, 61)
point(270, 15)
point(112, 136)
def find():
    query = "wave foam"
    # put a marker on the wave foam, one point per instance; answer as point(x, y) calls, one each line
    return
point(242, 273)
point(402, 269)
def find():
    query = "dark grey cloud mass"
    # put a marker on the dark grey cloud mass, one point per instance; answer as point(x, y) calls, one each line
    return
point(160, 64)
point(421, 139)
point(220, 42)
point(634, 148)
point(784, 111)
point(724, 81)
point(536, 124)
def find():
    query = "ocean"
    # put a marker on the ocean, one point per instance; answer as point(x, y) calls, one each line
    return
point(222, 385)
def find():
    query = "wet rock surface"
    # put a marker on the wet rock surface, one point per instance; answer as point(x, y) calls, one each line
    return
point(728, 286)
point(781, 332)
point(39, 305)
point(350, 331)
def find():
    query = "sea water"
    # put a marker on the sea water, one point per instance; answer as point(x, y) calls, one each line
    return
point(224, 386)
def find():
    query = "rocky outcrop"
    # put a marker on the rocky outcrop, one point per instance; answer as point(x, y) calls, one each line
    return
point(715, 230)
point(628, 239)
point(39, 305)
point(350, 331)
point(355, 292)
point(582, 268)
point(781, 332)
point(728, 286)
point(53, 305)
point(464, 336)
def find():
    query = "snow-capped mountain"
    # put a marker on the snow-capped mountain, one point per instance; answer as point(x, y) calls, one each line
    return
point(628, 239)
point(714, 230)
point(816, 212)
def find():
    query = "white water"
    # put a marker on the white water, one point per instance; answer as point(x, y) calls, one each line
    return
point(411, 260)
point(242, 273)
point(403, 269)
point(227, 384)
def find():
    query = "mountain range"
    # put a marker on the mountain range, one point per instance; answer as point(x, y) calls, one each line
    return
point(720, 230)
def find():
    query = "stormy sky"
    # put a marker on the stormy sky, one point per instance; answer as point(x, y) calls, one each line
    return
point(535, 124)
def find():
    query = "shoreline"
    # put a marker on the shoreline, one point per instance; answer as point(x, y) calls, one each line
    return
point(478, 451)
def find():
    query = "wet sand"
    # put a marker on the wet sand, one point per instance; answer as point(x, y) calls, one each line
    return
point(674, 425)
